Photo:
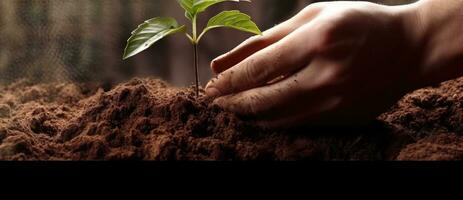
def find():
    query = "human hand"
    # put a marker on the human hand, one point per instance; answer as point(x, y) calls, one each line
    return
point(333, 63)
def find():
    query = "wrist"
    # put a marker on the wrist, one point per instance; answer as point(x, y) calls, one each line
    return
point(415, 31)
point(435, 31)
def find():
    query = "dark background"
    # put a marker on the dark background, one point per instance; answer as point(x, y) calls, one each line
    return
point(83, 40)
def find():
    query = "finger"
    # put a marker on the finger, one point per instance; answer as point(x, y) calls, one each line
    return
point(304, 88)
point(258, 101)
point(283, 57)
point(256, 43)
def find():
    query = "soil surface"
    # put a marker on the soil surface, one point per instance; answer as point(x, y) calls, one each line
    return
point(146, 119)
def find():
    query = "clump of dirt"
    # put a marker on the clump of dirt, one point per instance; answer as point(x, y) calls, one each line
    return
point(146, 119)
point(436, 147)
point(433, 117)
point(430, 111)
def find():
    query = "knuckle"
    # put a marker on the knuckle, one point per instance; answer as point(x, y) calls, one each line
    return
point(328, 29)
point(330, 76)
point(224, 82)
point(326, 32)
point(249, 73)
point(254, 70)
point(314, 7)
point(253, 104)
point(257, 40)
point(268, 62)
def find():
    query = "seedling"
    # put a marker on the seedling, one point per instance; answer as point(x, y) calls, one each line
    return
point(157, 28)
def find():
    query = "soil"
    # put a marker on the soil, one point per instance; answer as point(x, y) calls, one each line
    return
point(146, 119)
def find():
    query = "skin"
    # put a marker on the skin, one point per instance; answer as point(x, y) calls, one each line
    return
point(340, 63)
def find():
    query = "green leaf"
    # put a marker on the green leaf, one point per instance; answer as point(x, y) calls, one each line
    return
point(187, 5)
point(232, 19)
point(149, 33)
point(202, 5)
point(194, 7)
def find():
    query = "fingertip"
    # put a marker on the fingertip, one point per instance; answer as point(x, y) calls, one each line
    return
point(223, 62)
point(215, 65)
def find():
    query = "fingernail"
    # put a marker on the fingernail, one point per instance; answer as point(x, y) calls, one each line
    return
point(212, 92)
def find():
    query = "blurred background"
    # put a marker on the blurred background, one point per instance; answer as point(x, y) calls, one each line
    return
point(83, 40)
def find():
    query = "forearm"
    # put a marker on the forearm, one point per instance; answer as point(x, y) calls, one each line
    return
point(439, 30)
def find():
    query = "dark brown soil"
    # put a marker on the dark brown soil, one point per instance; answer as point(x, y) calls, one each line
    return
point(145, 119)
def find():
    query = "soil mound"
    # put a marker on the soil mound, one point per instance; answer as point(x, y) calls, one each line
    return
point(146, 119)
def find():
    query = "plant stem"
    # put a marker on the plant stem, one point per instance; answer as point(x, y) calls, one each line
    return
point(196, 60)
point(195, 34)
point(195, 47)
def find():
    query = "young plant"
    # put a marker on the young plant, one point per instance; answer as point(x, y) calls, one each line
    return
point(157, 28)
